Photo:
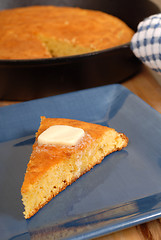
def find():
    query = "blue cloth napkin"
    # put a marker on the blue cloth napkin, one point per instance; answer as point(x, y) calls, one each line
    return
point(23, 119)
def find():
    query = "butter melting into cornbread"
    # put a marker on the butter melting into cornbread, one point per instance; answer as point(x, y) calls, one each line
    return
point(51, 31)
point(52, 167)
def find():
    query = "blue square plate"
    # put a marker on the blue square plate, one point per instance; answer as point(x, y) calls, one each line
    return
point(122, 191)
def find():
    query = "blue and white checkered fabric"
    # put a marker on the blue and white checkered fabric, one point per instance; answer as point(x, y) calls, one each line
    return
point(146, 42)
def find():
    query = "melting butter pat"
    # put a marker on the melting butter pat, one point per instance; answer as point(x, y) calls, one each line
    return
point(61, 134)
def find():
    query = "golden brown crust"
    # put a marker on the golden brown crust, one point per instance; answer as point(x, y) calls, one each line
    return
point(56, 153)
point(21, 30)
point(45, 157)
point(94, 130)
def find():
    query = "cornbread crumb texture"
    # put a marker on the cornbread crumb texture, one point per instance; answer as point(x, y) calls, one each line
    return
point(50, 31)
point(52, 168)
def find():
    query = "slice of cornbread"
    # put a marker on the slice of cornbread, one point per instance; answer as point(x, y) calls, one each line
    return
point(52, 167)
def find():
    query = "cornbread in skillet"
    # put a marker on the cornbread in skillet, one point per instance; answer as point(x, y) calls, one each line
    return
point(50, 31)
point(53, 167)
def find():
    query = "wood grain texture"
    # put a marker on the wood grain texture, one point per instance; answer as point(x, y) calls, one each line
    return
point(146, 87)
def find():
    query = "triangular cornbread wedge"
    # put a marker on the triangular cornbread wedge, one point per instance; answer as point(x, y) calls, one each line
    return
point(53, 167)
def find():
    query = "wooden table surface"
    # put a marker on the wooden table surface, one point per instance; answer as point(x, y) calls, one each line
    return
point(146, 87)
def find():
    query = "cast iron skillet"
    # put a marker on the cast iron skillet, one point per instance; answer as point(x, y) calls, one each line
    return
point(29, 79)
